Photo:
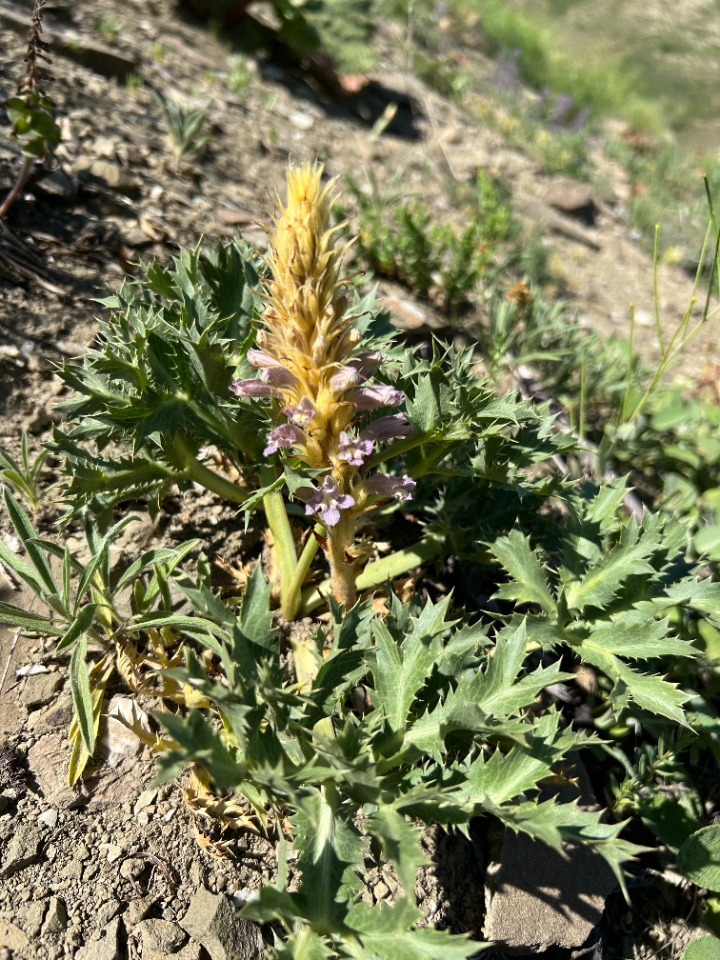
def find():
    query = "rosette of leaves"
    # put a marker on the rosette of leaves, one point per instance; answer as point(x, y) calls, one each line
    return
point(414, 717)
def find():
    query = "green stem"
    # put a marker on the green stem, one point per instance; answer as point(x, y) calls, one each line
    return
point(279, 524)
point(198, 473)
point(292, 600)
point(378, 572)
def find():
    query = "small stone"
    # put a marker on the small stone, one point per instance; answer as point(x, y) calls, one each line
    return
point(23, 849)
point(113, 175)
point(144, 800)
point(301, 120)
point(40, 689)
point(571, 197)
point(112, 851)
point(212, 921)
point(105, 912)
point(73, 871)
point(160, 936)
point(105, 949)
point(56, 917)
point(380, 890)
point(11, 937)
point(139, 909)
point(131, 868)
point(191, 951)
point(48, 818)
point(58, 184)
point(32, 919)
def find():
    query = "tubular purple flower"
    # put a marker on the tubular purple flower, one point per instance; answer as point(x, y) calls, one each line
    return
point(258, 358)
point(251, 388)
point(328, 502)
point(278, 377)
point(387, 428)
point(367, 362)
point(286, 435)
point(383, 485)
point(352, 450)
point(376, 395)
point(301, 414)
point(345, 378)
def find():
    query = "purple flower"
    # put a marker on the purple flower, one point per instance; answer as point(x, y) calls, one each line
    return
point(387, 428)
point(367, 362)
point(286, 435)
point(258, 358)
point(352, 450)
point(377, 395)
point(302, 414)
point(251, 388)
point(383, 485)
point(328, 502)
point(278, 377)
point(343, 379)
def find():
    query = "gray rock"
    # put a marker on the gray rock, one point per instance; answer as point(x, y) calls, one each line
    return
point(191, 951)
point(23, 849)
point(212, 922)
point(539, 900)
point(113, 174)
point(58, 184)
point(11, 937)
point(40, 689)
point(105, 949)
point(56, 917)
point(32, 918)
point(160, 937)
point(571, 196)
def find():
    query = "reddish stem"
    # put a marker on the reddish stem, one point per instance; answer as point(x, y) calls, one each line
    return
point(19, 184)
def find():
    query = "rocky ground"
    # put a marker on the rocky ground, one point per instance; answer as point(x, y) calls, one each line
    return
point(121, 869)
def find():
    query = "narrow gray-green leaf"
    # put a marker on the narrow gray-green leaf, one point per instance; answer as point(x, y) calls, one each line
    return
point(81, 696)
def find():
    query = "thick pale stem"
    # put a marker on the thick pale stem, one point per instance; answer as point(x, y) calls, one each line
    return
point(342, 574)
point(378, 572)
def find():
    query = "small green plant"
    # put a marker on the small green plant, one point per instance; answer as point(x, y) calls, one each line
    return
point(24, 476)
point(401, 240)
point(108, 26)
point(238, 75)
point(32, 122)
point(183, 125)
point(271, 383)
point(133, 82)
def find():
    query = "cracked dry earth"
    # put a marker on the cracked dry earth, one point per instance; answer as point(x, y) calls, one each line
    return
point(120, 870)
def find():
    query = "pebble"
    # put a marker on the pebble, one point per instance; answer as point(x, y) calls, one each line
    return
point(48, 818)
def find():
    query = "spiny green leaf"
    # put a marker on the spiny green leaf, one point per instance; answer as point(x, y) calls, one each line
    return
point(400, 672)
point(603, 580)
point(636, 638)
point(521, 562)
point(399, 840)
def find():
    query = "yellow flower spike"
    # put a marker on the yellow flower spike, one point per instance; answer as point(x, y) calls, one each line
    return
point(307, 360)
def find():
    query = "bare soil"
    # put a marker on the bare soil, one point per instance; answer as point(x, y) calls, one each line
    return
point(85, 873)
